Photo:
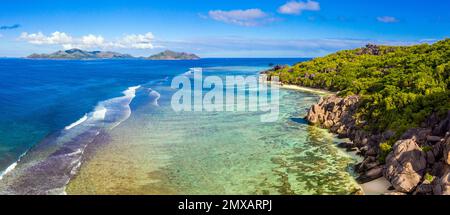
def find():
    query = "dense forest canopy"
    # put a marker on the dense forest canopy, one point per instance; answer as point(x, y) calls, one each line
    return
point(400, 86)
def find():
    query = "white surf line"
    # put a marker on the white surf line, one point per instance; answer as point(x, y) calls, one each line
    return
point(157, 96)
point(99, 113)
point(81, 120)
point(129, 94)
point(11, 167)
point(8, 169)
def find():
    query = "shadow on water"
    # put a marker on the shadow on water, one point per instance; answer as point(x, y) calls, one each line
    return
point(300, 120)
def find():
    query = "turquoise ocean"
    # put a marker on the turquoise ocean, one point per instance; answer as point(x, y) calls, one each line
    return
point(107, 127)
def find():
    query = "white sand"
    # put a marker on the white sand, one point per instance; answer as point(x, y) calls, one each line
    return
point(263, 78)
point(376, 187)
point(306, 89)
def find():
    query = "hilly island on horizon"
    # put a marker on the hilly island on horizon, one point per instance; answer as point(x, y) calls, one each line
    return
point(78, 54)
point(253, 99)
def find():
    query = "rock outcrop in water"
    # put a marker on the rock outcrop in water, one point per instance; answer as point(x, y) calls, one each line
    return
point(419, 162)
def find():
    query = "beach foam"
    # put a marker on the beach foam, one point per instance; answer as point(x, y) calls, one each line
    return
point(123, 110)
point(155, 94)
point(11, 167)
point(99, 113)
point(58, 157)
point(7, 170)
point(131, 91)
point(81, 120)
point(191, 71)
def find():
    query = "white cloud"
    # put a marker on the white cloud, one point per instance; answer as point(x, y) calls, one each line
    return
point(92, 40)
point(297, 7)
point(387, 19)
point(249, 17)
point(138, 41)
point(40, 39)
point(133, 41)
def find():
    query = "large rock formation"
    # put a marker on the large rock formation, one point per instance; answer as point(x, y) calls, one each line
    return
point(405, 165)
point(337, 115)
point(447, 151)
point(442, 182)
point(334, 112)
point(418, 152)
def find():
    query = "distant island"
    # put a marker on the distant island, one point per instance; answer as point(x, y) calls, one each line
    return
point(80, 54)
point(171, 55)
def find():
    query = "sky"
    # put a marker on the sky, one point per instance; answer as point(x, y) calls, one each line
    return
point(215, 28)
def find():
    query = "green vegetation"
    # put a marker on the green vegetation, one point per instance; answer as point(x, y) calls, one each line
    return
point(385, 148)
point(428, 177)
point(399, 86)
point(426, 148)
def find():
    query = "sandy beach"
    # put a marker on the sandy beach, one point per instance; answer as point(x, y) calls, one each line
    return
point(378, 186)
point(306, 89)
point(263, 78)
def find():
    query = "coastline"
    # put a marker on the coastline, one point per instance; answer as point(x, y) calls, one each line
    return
point(387, 177)
point(307, 89)
point(263, 78)
point(402, 130)
point(378, 186)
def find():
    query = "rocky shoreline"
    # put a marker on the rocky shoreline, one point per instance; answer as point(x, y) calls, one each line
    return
point(419, 161)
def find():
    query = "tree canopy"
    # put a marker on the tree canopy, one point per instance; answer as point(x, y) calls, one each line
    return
point(399, 85)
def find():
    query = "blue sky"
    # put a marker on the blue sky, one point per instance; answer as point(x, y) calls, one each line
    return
point(213, 28)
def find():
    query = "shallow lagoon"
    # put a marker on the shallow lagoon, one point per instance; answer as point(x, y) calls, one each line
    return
point(158, 151)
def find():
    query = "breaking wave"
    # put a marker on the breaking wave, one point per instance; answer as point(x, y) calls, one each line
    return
point(48, 167)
